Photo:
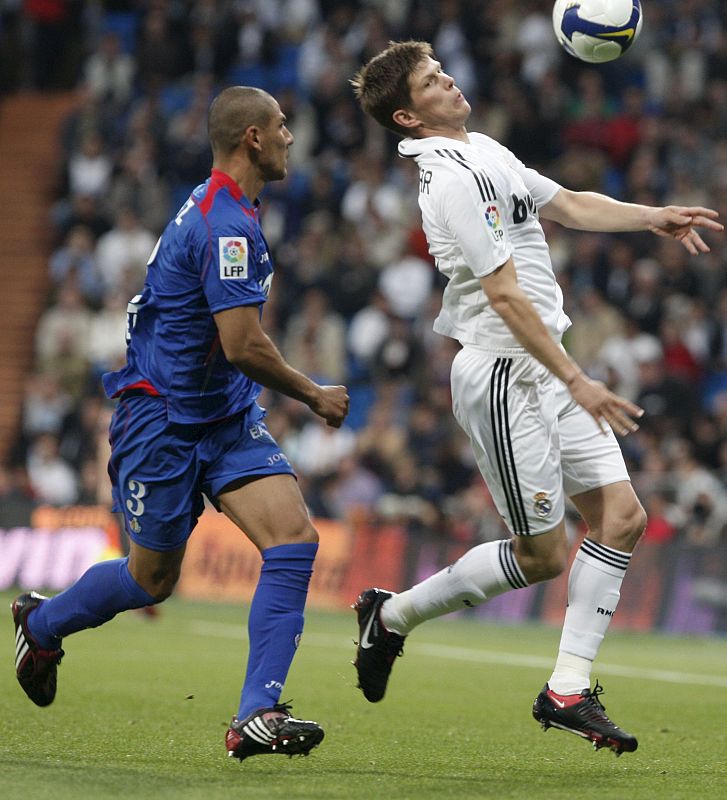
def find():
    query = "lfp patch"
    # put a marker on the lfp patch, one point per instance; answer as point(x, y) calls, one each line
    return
point(492, 217)
point(233, 258)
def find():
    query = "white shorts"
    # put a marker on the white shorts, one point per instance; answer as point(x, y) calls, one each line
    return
point(532, 442)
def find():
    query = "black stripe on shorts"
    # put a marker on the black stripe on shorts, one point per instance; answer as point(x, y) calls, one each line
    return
point(499, 417)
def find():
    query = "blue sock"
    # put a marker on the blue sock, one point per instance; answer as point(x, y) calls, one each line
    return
point(96, 597)
point(275, 623)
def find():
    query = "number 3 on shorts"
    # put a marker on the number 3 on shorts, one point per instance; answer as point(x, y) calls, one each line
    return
point(137, 491)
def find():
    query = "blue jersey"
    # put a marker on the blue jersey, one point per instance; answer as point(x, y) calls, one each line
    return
point(211, 256)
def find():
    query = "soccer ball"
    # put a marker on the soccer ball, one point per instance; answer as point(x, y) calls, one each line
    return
point(597, 30)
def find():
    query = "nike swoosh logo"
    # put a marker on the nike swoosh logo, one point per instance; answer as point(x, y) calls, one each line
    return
point(559, 703)
point(627, 34)
point(365, 643)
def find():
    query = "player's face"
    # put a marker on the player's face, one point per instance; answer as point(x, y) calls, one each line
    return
point(275, 140)
point(437, 103)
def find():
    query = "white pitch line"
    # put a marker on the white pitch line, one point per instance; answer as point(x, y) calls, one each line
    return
point(225, 631)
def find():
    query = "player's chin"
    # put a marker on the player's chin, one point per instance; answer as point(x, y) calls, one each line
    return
point(277, 173)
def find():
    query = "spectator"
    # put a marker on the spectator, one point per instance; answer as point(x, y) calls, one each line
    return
point(159, 52)
point(138, 184)
point(668, 402)
point(80, 209)
point(45, 405)
point(315, 340)
point(52, 479)
point(406, 284)
point(109, 72)
point(321, 448)
point(594, 322)
point(122, 252)
point(75, 262)
point(107, 333)
point(352, 489)
point(63, 328)
point(369, 329)
point(89, 168)
point(77, 439)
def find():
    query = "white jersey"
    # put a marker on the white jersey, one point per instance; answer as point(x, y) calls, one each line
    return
point(479, 207)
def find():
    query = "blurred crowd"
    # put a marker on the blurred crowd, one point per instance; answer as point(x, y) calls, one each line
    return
point(355, 291)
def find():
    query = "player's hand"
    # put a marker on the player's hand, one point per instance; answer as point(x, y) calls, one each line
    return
point(605, 406)
point(679, 222)
point(332, 404)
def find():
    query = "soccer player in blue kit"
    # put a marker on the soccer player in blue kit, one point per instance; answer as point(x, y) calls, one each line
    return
point(187, 423)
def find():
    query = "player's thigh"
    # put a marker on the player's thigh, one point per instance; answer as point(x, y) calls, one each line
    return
point(505, 407)
point(270, 510)
point(154, 474)
point(249, 478)
point(590, 458)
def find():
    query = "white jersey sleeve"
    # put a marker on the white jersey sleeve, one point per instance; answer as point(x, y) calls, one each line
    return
point(542, 189)
point(475, 217)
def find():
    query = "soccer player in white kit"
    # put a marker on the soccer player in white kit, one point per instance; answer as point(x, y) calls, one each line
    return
point(540, 428)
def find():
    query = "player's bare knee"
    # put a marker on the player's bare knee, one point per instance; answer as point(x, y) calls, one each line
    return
point(542, 566)
point(547, 568)
point(305, 534)
point(163, 591)
point(302, 532)
point(544, 556)
point(623, 530)
point(160, 585)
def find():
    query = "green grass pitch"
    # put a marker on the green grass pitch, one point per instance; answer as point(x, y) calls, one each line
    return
point(143, 706)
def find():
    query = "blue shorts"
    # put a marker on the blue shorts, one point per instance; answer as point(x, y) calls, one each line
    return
point(159, 469)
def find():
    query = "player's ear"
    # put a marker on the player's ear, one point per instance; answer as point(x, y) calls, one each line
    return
point(252, 138)
point(405, 118)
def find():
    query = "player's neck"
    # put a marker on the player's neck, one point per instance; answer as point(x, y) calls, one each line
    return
point(245, 175)
point(460, 134)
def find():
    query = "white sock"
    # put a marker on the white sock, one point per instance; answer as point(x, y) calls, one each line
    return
point(482, 573)
point(593, 593)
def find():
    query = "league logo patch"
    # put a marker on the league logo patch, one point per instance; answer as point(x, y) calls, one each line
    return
point(542, 504)
point(492, 218)
point(233, 258)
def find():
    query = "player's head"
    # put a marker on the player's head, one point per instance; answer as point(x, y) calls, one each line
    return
point(246, 120)
point(404, 89)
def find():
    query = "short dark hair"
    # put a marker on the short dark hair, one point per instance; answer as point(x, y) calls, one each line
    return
point(232, 112)
point(382, 85)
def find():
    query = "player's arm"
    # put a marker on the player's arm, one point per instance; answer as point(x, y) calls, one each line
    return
point(513, 305)
point(590, 211)
point(247, 346)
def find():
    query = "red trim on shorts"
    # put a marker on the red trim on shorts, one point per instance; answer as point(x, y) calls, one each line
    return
point(143, 386)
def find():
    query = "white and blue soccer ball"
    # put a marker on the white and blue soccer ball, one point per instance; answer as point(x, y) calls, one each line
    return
point(597, 30)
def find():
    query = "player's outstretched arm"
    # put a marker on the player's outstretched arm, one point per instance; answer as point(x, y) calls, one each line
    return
point(519, 314)
point(251, 350)
point(591, 211)
point(680, 222)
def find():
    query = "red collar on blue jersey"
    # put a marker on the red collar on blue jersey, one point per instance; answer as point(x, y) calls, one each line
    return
point(223, 179)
